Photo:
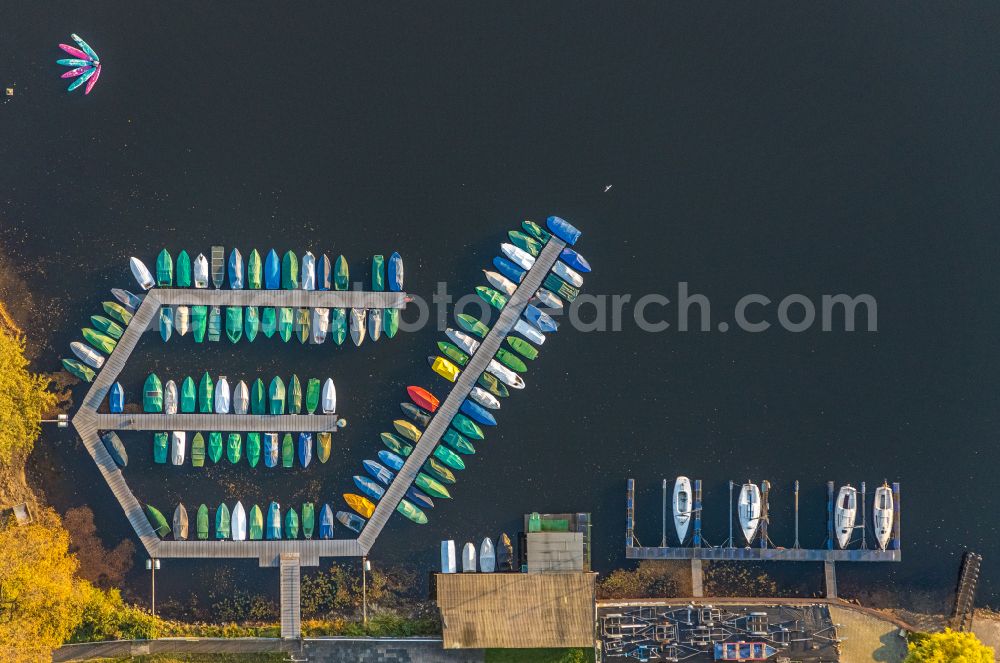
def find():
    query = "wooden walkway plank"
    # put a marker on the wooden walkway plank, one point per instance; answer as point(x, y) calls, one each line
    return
point(262, 423)
point(278, 298)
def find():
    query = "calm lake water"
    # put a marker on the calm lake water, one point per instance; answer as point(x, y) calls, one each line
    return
point(812, 150)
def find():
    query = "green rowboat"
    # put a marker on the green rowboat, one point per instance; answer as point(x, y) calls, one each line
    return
point(198, 450)
point(183, 269)
point(285, 323)
point(268, 321)
point(449, 457)
point(118, 312)
point(199, 322)
point(467, 427)
point(440, 470)
point(523, 348)
point(85, 373)
point(189, 396)
point(234, 323)
point(338, 325)
point(291, 524)
point(206, 392)
point(253, 448)
point(302, 325)
point(105, 344)
point(152, 394)
point(396, 444)
point(201, 520)
point(491, 297)
point(341, 274)
point(406, 508)
point(164, 269)
point(157, 520)
point(256, 523)
point(222, 522)
point(251, 323)
point(107, 327)
point(324, 444)
point(490, 383)
point(390, 321)
point(287, 451)
point(214, 324)
point(294, 395)
point(215, 446)
point(472, 325)
point(511, 360)
point(313, 390)
point(378, 273)
point(234, 448)
point(258, 397)
point(561, 288)
point(289, 271)
point(276, 396)
point(308, 519)
point(525, 242)
point(536, 231)
point(451, 351)
point(160, 446)
point(431, 486)
point(254, 271)
point(458, 442)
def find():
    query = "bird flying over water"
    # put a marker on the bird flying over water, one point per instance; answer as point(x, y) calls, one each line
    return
point(85, 62)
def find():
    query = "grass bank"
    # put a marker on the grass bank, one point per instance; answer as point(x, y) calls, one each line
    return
point(539, 655)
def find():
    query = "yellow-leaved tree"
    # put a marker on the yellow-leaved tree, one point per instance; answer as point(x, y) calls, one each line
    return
point(23, 400)
point(948, 647)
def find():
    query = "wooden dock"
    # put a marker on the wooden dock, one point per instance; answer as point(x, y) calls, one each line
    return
point(429, 439)
point(237, 423)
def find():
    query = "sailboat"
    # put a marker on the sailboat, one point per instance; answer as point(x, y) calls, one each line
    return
point(845, 513)
point(749, 507)
point(883, 515)
point(682, 507)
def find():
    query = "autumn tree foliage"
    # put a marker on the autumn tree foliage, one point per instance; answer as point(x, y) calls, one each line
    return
point(23, 399)
point(948, 647)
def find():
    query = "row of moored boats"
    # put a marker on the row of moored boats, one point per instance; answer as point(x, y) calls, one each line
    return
point(102, 337)
point(491, 557)
point(216, 397)
point(275, 449)
point(253, 524)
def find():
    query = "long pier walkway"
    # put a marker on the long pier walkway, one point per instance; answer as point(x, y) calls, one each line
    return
point(429, 439)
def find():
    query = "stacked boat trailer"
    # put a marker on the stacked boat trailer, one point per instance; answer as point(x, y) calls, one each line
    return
point(761, 548)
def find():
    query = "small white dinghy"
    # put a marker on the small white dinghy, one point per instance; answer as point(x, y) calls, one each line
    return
point(182, 320)
point(500, 282)
point(141, 273)
point(329, 398)
point(487, 556)
point(241, 398)
point(845, 513)
point(749, 507)
point(505, 375)
point(469, 558)
point(529, 331)
point(358, 326)
point(238, 523)
point(548, 299)
point(462, 340)
point(682, 507)
point(883, 515)
point(178, 440)
point(308, 274)
point(222, 396)
point(320, 324)
point(485, 398)
point(519, 257)
point(200, 268)
point(87, 354)
point(448, 556)
point(170, 397)
point(563, 271)
point(375, 323)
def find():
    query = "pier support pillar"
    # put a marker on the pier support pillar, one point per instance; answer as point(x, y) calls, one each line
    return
point(830, 576)
point(697, 586)
point(291, 604)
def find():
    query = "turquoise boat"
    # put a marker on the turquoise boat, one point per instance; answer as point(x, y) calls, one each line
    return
point(258, 398)
point(161, 445)
point(234, 323)
point(291, 524)
point(189, 396)
point(458, 442)
point(467, 427)
point(199, 322)
point(341, 274)
point(268, 321)
point(285, 323)
point(274, 522)
point(276, 395)
point(251, 323)
point(107, 327)
point(152, 394)
point(222, 522)
point(449, 457)
point(378, 273)
point(215, 446)
point(495, 299)
point(289, 271)
point(183, 270)
point(338, 325)
point(164, 269)
point(255, 271)
point(206, 393)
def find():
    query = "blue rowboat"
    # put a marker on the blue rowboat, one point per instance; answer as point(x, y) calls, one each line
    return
point(270, 449)
point(575, 260)
point(272, 271)
point(326, 523)
point(324, 272)
point(395, 272)
point(305, 449)
point(478, 413)
point(116, 399)
point(509, 269)
point(378, 471)
point(418, 497)
point(274, 522)
point(563, 229)
point(236, 270)
point(391, 460)
point(543, 321)
point(351, 521)
point(369, 487)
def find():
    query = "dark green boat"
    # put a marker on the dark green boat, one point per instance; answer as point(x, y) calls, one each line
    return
point(152, 394)
point(523, 348)
point(85, 373)
point(287, 451)
point(253, 448)
point(396, 444)
point(189, 396)
point(183, 269)
point(290, 271)
point(467, 427)
point(458, 442)
point(161, 444)
point(234, 448)
point(164, 269)
point(490, 383)
point(491, 297)
point(525, 242)
point(449, 457)
point(390, 321)
point(536, 231)
point(313, 390)
point(451, 351)
point(294, 392)
point(561, 288)
point(157, 520)
point(234, 323)
point(254, 271)
point(308, 519)
point(251, 323)
point(417, 415)
point(472, 325)
point(198, 450)
point(222, 522)
point(206, 392)
point(511, 360)
point(440, 470)
point(378, 273)
point(276, 396)
point(412, 512)
point(215, 446)
point(201, 523)
point(285, 323)
point(99, 341)
point(338, 325)
point(255, 523)
point(107, 326)
point(199, 322)
point(268, 321)
point(258, 397)
point(302, 325)
point(341, 274)
point(214, 324)
point(118, 312)
point(291, 524)
point(431, 486)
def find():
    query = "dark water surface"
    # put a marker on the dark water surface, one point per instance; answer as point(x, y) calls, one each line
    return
point(769, 149)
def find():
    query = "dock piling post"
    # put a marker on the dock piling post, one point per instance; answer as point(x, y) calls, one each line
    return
point(630, 513)
point(864, 507)
point(829, 515)
point(663, 518)
point(697, 514)
point(766, 490)
point(731, 514)
point(796, 545)
point(896, 516)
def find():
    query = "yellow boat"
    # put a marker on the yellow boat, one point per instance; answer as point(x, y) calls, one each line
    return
point(407, 430)
point(444, 368)
point(362, 505)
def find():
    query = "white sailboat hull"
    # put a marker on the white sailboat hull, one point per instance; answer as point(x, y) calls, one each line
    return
point(682, 507)
point(749, 510)
point(883, 516)
point(844, 514)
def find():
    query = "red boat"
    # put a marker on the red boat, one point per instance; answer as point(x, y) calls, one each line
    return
point(423, 398)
